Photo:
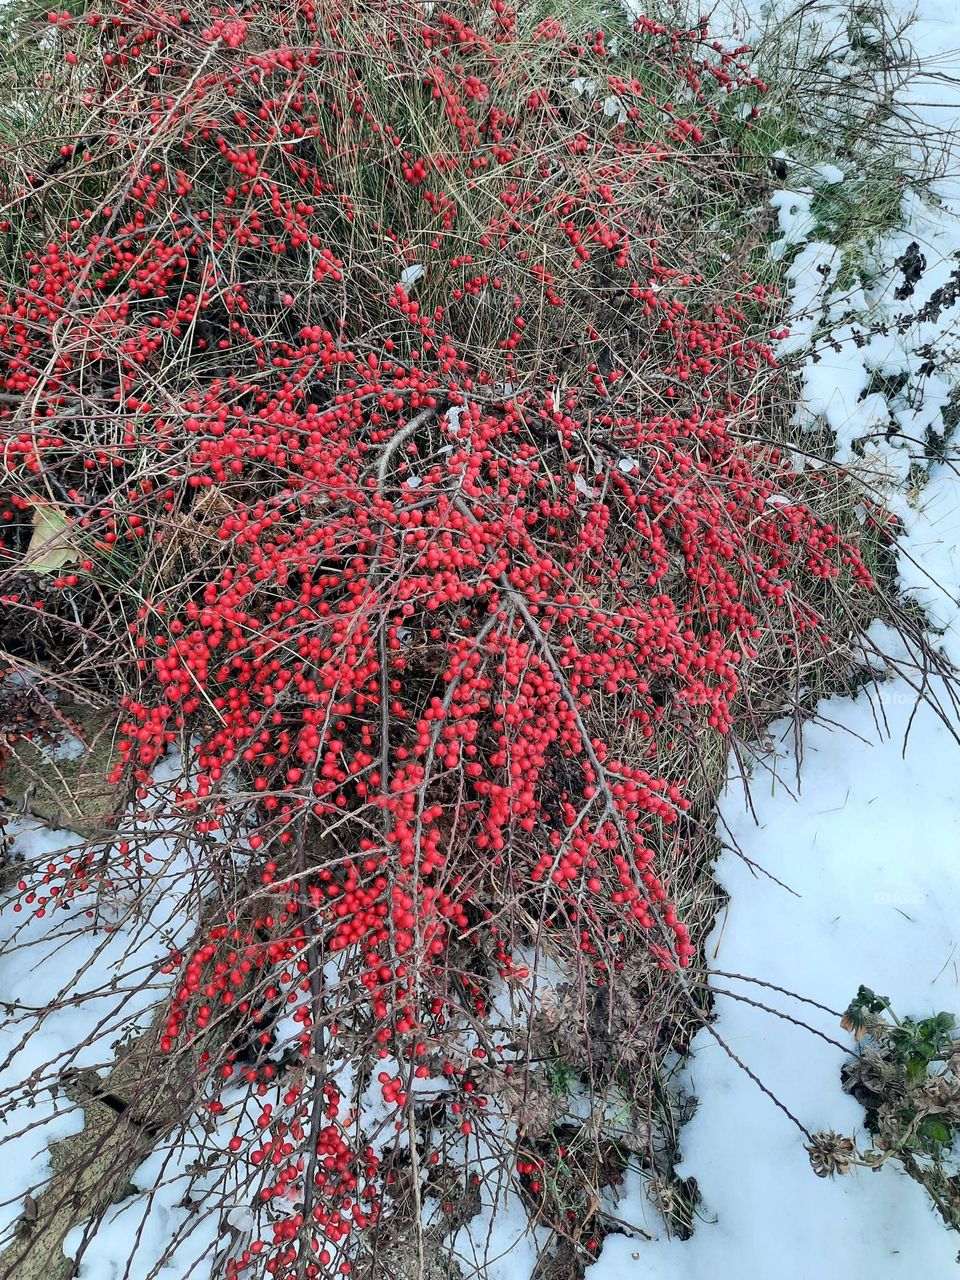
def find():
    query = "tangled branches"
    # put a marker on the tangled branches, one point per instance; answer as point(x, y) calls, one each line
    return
point(418, 482)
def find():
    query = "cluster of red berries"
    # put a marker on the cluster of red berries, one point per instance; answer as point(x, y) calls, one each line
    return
point(447, 452)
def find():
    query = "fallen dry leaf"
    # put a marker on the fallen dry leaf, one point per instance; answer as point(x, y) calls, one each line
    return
point(50, 548)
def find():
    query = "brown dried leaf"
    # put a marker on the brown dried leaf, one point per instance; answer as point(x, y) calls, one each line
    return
point(50, 548)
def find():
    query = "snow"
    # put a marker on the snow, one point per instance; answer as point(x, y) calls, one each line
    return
point(868, 849)
point(410, 275)
point(498, 1242)
point(184, 1196)
point(130, 1243)
point(96, 980)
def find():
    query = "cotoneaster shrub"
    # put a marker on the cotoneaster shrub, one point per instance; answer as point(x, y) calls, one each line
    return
point(398, 379)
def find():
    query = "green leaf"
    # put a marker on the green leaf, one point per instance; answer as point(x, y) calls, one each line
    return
point(916, 1068)
point(935, 1132)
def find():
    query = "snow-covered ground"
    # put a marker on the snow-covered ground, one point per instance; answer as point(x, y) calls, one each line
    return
point(868, 848)
point(74, 994)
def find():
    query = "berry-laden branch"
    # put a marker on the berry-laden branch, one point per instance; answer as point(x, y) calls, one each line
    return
point(421, 487)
